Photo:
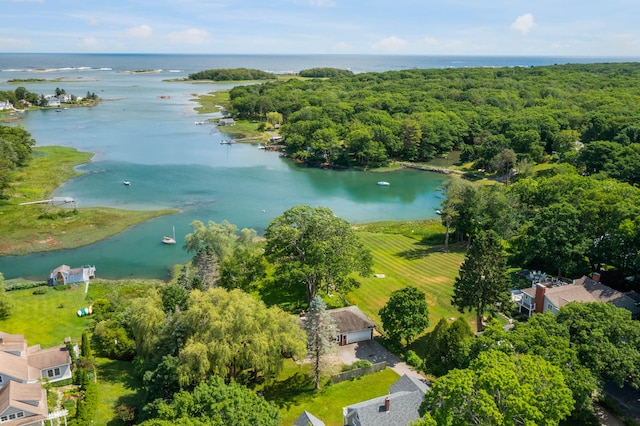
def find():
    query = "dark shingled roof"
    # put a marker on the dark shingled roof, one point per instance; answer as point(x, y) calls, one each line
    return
point(350, 319)
point(308, 419)
point(405, 397)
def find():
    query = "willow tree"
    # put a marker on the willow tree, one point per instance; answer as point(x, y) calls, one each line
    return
point(313, 247)
point(230, 332)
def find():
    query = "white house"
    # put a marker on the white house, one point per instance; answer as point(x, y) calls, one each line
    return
point(226, 122)
point(64, 274)
point(352, 324)
point(5, 105)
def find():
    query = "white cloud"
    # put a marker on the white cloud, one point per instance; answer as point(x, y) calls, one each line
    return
point(141, 31)
point(190, 36)
point(523, 23)
point(390, 44)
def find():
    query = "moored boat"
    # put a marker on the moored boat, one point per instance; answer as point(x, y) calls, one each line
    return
point(383, 183)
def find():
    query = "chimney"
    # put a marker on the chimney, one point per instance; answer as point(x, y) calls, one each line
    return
point(540, 291)
point(387, 404)
point(596, 277)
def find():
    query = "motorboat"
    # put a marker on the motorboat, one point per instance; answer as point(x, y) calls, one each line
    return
point(126, 182)
point(383, 183)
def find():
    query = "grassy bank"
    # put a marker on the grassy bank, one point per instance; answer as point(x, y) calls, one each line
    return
point(42, 227)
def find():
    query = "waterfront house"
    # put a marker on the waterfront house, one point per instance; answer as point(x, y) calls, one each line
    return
point(226, 122)
point(64, 274)
point(5, 105)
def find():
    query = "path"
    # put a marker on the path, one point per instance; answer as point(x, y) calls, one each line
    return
point(374, 352)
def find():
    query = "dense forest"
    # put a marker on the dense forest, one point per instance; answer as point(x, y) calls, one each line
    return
point(415, 115)
point(232, 74)
point(15, 151)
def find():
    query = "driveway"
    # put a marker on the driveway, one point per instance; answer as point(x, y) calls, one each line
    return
point(374, 352)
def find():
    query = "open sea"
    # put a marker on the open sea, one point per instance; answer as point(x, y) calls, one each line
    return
point(144, 132)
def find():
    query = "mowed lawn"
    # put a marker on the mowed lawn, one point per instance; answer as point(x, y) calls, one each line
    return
point(46, 319)
point(405, 261)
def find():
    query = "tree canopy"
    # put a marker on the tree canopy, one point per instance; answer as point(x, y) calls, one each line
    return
point(406, 314)
point(310, 246)
point(232, 74)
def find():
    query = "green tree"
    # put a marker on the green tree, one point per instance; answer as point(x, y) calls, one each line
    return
point(174, 296)
point(215, 403)
point(321, 334)
point(85, 346)
point(6, 305)
point(311, 246)
point(406, 314)
point(500, 389)
point(483, 282)
point(229, 332)
point(274, 118)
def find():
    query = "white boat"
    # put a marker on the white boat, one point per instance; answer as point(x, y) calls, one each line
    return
point(126, 182)
point(227, 142)
point(199, 123)
point(170, 240)
point(383, 183)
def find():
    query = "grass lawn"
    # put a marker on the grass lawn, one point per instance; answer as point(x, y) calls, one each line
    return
point(294, 393)
point(46, 319)
point(41, 227)
point(116, 387)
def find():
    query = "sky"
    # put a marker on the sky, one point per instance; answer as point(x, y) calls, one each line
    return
point(591, 28)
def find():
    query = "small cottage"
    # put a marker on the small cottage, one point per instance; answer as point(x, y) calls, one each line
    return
point(226, 122)
point(352, 324)
point(64, 274)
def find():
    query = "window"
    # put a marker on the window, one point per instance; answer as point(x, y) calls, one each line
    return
point(53, 372)
point(20, 414)
point(0, 379)
point(12, 416)
point(4, 419)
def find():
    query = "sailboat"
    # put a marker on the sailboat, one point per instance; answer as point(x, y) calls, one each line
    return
point(170, 240)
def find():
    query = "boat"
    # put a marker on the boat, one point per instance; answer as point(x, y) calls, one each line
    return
point(227, 142)
point(383, 183)
point(170, 240)
point(199, 122)
point(126, 182)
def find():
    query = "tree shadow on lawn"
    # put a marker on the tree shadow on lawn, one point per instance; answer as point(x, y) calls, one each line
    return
point(427, 249)
point(290, 298)
point(290, 391)
point(121, 373)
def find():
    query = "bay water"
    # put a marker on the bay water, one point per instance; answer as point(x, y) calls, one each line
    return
point(144, 131)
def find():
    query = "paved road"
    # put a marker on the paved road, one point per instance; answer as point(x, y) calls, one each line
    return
point(375, 352)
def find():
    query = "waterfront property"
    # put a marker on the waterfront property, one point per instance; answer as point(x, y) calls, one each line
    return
point(64, 274)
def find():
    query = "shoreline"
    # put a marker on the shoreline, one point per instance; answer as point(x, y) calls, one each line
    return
point(43, 227)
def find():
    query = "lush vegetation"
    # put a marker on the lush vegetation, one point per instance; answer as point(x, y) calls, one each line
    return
point(324, 73)
point(232, 74)
point(417, 115)
point(16, 145)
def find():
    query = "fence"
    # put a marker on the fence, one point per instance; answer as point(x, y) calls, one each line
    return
point(358, 372)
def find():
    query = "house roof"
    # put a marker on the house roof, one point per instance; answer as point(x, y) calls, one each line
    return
point(50, 357)
point(405, 397)
point(308, 419)
point(350, 319)
point(62, 268)
point(28, 397)
point(582, 290)
point(12, 342)
point(18, 367)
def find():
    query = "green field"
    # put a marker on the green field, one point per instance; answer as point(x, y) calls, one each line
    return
point(117, 387)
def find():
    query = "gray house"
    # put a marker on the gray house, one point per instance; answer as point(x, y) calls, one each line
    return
point(399, 408)
point(308, 419)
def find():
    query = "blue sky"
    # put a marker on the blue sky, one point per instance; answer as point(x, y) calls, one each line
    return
point(417, 27)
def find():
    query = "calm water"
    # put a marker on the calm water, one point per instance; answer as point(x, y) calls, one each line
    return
point(144, 132)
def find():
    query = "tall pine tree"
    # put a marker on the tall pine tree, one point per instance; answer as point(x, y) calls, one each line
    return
point(483, 281)
point(321, 334)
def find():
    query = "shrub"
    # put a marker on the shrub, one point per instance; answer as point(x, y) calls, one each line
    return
point(40, 290)
point(22, 285)
point(413, 359)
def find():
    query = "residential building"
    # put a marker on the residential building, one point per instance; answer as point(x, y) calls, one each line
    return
point(308, 419)
point(550, 295)
point(352, 324)
point(64, 274)
point(22, 404)
point(398, 408)
point(226, 122)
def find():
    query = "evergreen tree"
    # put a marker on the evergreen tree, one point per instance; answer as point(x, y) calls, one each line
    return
point(321, 334)
point(5, 303)
point(85, 349)
point(483, 282)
